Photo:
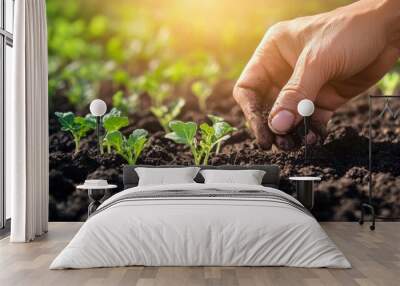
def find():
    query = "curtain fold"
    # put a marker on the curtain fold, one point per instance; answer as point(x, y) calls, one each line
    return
point(27, 158)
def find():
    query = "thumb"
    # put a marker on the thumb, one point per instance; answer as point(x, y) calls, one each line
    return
point(305, 83)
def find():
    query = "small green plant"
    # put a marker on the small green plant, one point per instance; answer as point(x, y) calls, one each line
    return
point(113, 121)
point(128, 148)
point(215, 119)
point(210, 136)
point(202, 90)
point(78, 126)
point(389, 83)
point(166, 113)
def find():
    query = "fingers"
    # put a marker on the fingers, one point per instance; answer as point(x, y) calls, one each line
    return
point(255, 86)
point(252, 109)
point(316, 133)
point(320, 120)
point(318, 123)
point(249, 91)
point(305, 82)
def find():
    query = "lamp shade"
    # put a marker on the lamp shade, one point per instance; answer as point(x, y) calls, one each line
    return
point(98, 107)
point(305, 107)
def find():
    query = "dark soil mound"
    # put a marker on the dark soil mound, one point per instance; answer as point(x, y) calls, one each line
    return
point(341, 160)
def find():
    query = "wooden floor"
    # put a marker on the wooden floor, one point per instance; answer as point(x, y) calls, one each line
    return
point(375, 257)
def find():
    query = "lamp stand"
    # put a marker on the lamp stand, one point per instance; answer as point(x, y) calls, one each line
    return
point(393, 116)
point(99, 143)
point(305, 138)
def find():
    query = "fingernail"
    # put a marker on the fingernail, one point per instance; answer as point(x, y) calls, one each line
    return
point(282, 121)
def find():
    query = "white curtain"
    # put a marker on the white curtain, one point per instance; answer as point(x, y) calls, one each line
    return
point(27, 122)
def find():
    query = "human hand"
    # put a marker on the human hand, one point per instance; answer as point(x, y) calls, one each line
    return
point(328, 58)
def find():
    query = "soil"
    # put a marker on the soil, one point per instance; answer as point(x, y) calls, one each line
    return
point(341, 159)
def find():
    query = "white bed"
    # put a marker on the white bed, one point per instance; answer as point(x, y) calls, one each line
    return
point(187, 230)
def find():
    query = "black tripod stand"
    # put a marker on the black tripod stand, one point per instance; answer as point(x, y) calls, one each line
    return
point(369, 205)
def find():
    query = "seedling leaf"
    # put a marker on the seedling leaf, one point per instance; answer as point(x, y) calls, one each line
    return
point(114, 121)
point(184, 132)
point(115, 139)
point(214, 119)
point(222, 128)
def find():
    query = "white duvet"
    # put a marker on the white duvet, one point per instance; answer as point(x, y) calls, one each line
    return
point(200, 231)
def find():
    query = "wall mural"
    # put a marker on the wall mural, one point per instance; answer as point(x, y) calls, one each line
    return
point(153, 62)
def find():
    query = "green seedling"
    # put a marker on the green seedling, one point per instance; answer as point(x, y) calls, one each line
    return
point(210, 136)
point(185, 133)
point(128, 148)
point(113, 121)
point(78, 126)
point(165, 114)
point(215, 119)
point(202, 90)
point(389, 83)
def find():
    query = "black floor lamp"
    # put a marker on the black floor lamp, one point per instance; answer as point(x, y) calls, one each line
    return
point(394, 115)
point(306, 109)
point(98, 108)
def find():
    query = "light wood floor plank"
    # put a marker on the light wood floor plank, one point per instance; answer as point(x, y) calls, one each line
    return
point(375, 257)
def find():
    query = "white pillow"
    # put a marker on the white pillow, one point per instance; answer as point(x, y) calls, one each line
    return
point(165, 176)
point(247, 177)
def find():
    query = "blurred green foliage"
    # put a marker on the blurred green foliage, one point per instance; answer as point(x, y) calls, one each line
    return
point(98, 48)
point(126, 104)
point(390, 83)
point(166, 113)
